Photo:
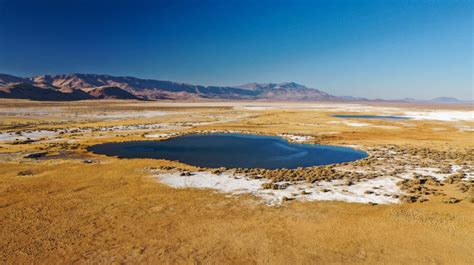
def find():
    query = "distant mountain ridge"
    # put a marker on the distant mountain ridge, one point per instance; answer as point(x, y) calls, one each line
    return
point(447, 100)
point(439, 100)
point(287, 91)
point(95, 86)
point(63, 87)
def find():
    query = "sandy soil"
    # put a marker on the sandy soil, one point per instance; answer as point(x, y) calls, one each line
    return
point(72, 206)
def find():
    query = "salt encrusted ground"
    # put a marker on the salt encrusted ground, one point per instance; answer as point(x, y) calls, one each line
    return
point(379, 190)
point(34, 135)
point(440, 115)
point(296, 138)
point(382, 189)
point(387, 190)
point(385, 185)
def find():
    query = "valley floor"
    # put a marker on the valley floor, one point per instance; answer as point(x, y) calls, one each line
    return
point(410, 202)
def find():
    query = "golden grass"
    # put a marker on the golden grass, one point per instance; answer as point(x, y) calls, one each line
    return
point(68, 211)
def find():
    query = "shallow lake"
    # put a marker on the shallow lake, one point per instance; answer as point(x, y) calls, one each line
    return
point(371, 117)
point(231, 151)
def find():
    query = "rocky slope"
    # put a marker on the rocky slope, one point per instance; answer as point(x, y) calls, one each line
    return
point(29, 91)
point(111, 92)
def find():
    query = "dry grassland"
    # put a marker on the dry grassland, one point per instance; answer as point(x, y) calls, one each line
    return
point(58, 209)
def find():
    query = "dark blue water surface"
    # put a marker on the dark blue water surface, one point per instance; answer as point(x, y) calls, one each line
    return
point(371, 117)
point(231, 151)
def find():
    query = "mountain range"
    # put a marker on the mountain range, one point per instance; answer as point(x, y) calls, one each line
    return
point(68, 87)
point(439, 100)
point(93, 86)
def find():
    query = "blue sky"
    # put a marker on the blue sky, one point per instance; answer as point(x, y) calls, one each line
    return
point(376, 49)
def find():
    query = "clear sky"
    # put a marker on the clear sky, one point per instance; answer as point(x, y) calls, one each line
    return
point(375, 49)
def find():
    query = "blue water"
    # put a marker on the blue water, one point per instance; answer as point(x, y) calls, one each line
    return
point(371, 117)
point(232, 151)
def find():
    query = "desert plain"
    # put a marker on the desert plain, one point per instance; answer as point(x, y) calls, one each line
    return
point(410, 202)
